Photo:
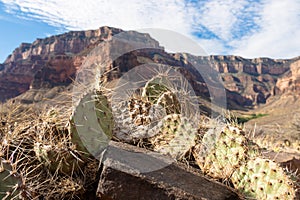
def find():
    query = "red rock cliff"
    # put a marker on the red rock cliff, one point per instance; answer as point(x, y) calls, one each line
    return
point(54, 61)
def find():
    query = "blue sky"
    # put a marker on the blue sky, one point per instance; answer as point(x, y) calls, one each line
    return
point(249, 28)
point(15, 30)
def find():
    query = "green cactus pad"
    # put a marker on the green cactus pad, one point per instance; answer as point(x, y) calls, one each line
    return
point(9, 181)
point(155, 87)
point(169, 102)
point(92, 123)
point(221, 152)
point(160, 91)
point(263, 179)
point(176, 136)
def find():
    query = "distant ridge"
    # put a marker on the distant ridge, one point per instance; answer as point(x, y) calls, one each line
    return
point(53, 61)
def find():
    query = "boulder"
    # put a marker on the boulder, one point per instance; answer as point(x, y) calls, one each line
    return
point(129, 172)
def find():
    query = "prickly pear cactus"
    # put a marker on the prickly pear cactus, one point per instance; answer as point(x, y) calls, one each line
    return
point(221, 152)
point(58, 158)
point(176, 136)
point(155, 87)
point(134, 118)
point(169, 102)
point(10, 181)
point(160, 91)
point(92, 123)
point(139, 111)
point(40, 158)
point(263, 179)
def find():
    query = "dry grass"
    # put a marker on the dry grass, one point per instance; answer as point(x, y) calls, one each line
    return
point(37, 143)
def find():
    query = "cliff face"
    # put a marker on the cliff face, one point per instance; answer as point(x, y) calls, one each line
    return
point(48, 62)
point(53, 61)
point(290, 83)
point(250, 81)
point(72, 42)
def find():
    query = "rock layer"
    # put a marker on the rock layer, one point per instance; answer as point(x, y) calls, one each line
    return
point(53, 61)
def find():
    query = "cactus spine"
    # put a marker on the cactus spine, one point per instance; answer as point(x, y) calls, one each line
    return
point(134, 119)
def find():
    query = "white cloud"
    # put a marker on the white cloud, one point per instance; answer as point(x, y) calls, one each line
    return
point(279, 36)
point(220, 17)
point(90, 14)
point(244, 27)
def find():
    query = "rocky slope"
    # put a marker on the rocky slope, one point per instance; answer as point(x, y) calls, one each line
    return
point(281, 123)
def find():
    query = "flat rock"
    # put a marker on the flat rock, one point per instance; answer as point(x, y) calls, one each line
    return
point(129, 172)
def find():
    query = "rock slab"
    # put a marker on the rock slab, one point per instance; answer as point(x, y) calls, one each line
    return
point(129, 172)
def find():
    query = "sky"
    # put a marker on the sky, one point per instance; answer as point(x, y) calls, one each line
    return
point(248, 28)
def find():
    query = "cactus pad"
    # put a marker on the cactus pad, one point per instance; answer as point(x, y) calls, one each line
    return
point(10, 181)
point(134, 118)
point(263, 179)
point(221, 152)
point(92, 123)
point(155, 87)
point(176, 136)
point(169, 102)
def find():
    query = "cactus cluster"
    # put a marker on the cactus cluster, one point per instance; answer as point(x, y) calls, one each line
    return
point(39, 156)
point(136, 115)
point(51, 154)
point(224, 152)
point(228, 154)
point(158, 112)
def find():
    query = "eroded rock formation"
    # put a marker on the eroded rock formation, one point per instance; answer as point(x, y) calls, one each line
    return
point(53, 61)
